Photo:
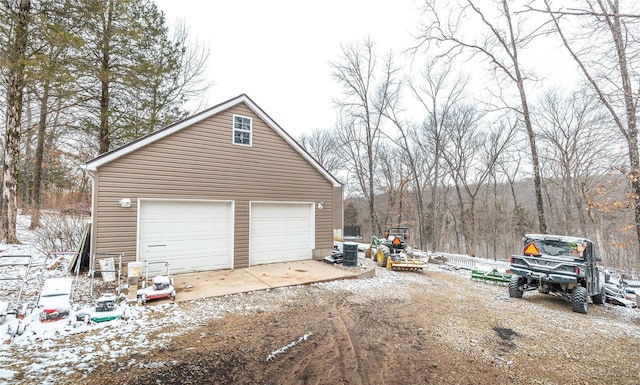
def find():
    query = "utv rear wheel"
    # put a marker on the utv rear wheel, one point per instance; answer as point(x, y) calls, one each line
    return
point(579, 300)
point(599, 298)
point(515, 286)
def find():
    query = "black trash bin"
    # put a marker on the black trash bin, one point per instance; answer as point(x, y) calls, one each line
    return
point(350, 250)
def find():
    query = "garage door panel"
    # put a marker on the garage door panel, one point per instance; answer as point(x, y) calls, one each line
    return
point(281, 232)
point(198, 235)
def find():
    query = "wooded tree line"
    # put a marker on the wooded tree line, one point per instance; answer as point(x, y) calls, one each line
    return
point(473, 150)
point(80, 78)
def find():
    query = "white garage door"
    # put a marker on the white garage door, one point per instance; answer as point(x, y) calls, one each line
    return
point(198, 235)
point(281, 232)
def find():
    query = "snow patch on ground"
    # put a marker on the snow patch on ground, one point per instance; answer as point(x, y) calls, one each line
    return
point(284, 349)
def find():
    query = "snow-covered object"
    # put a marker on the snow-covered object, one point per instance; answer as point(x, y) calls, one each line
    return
point(619, 295)
point(105, 309)
point(55, 299)
point(161, 282)
point(162, 287)
point(3, 311)
point(284, 349)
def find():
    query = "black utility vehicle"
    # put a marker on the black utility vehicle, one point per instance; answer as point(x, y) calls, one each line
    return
point(560, 265)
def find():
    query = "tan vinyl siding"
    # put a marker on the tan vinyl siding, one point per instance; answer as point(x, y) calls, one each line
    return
point(337, 213)
point(201, 162)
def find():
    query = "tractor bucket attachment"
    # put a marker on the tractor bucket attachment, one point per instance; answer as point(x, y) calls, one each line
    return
point(405, 264)
point(493, 275)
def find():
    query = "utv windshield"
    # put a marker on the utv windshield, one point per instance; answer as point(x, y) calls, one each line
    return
point(559, 248)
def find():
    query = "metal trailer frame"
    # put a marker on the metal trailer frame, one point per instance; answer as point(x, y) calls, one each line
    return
point(23, 278)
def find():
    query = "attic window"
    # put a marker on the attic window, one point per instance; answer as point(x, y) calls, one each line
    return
point(241, 130)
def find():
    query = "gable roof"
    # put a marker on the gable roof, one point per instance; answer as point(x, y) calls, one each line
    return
point(110, 156)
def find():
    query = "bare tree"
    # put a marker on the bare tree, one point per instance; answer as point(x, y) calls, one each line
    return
point(499, 42)
point(403, 134)
point(393, 186)
point(325, 147)
point(605, 51)
point(578, 150)
point(471, 156)
point(16, 63)
point(410, 158)
point(438, 92)
point(361, 116)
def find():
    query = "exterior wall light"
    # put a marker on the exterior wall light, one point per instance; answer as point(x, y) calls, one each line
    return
point(125, 202)
point(320, 205)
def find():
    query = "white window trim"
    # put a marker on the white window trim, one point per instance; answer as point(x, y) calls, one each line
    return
point(250, 132)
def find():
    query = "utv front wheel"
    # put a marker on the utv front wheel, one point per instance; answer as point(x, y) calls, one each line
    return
point(579, 300)
point(515, 286)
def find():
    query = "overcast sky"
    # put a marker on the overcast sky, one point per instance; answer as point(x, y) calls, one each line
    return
point(279, 51)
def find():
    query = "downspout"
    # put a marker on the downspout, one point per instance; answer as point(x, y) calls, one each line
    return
point(91, 172)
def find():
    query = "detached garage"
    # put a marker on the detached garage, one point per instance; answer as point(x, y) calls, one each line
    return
point(226, 188)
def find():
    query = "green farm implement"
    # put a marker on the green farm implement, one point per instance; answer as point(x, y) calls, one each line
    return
point(493, 276)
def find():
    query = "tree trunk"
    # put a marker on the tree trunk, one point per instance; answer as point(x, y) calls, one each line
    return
point(24, 170)
point(375, 226)
point(36, 197)
point(494, 219)
point(464, 248)
point(15, 87)
point(435, 230)
point(105, 79)
point(568, 192)
point(537, 180)
point(472, 226)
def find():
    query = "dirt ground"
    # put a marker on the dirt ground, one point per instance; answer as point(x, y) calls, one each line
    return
point(435, 327)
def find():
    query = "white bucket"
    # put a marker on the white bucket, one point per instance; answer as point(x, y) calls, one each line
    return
point(134, 269)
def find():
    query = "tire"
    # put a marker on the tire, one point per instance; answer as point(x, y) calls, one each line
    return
point(599, 298)
point(579, 300)
point(515, 286)
point(382, 258)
